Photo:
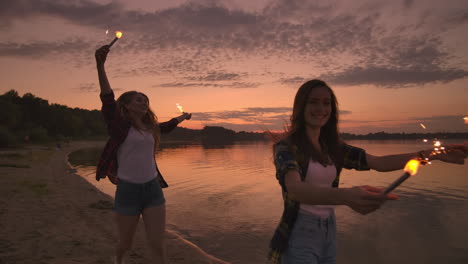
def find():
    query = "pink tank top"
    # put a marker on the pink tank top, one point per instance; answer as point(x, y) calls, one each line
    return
point(321, 176)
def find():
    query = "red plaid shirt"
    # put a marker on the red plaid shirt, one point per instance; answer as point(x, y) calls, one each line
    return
point(118, 128)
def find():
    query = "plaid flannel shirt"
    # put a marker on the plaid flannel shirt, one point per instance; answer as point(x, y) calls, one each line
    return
point(349, 157)
point(118, 128)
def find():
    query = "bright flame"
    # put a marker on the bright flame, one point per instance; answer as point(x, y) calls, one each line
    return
point(118, 34)
point(437, 143)
point(425, 140)
point(466, 119)
point(181, 109)
point(422, 125)
point(412, 166)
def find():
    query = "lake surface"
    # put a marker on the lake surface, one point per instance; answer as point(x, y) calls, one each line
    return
point(226, 200)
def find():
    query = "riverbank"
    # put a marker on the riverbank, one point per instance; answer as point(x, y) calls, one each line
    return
point(48, 214)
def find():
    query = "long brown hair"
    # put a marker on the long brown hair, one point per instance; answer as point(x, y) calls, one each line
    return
point(297, 136)
point(150, 120)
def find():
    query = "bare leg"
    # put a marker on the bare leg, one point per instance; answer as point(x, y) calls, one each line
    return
point(155, 226)
point(126, 226)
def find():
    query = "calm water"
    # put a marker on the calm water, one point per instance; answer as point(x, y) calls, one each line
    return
point(227, 201)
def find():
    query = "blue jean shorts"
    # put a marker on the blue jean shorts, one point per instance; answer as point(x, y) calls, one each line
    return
point(133, 198)
point(312, 241)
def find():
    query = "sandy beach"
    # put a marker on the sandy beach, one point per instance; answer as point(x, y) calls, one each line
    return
point(48, 214)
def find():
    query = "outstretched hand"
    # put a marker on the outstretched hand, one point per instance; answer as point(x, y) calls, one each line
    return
point(366, 199)
point(101, 55)
point(187, 116)
point(455, 153)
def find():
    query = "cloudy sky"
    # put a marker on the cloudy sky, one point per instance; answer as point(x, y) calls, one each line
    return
point(239, 63)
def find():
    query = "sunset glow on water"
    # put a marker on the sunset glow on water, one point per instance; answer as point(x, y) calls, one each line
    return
point(220, 196)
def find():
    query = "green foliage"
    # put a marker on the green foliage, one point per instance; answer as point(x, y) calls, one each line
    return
point(7, 138)
point(33, 119)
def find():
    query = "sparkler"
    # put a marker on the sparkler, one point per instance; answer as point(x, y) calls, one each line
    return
point(181, 109)
point(411, 169)
point(118, 35)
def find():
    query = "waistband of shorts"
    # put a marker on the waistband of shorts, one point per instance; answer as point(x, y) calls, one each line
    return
point(315, 218)
point(137, 184)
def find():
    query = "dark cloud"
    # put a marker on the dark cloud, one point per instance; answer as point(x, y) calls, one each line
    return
point(253, 118)
point(408, 3)
point(88, 88)
point(434, 124)
point(205, 36)
point(239, 85)
point(270, 109)
point(393, 77)
point(294, 80)
point(216, 76)
point(247, 114)
point(79, 11)
point(41, 49)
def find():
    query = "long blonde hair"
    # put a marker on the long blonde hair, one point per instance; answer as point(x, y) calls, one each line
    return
point(150, 120)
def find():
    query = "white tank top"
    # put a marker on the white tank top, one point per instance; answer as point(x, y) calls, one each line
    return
point(321, 176)
point(136, 157)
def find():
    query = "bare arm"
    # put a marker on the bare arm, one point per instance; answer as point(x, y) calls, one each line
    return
point(101, 56)
point(310, 194)
point(453, 154)
point(362, 199)
point(389, 162)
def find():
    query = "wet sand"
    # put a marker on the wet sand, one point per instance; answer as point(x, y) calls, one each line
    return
point(48, 214)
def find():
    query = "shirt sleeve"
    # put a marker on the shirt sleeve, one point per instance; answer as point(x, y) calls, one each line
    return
point(108, 107)
point(284, 161)
point(354, 158)
point(168, 126)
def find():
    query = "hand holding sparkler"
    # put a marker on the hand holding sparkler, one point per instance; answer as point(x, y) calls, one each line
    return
point(366, 199)
point(184, 114)
point(454, 153)
point(101, 55)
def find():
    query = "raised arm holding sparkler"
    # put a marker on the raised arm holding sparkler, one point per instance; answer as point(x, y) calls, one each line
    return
point(128, 160)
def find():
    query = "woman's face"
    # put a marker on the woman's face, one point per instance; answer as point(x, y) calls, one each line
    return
point(318, 107)
point(138, 104)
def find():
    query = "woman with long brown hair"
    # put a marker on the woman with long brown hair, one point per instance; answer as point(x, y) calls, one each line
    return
point(308, 160)
point(128, 161)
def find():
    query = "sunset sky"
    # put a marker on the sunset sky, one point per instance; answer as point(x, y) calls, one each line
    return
point(239, 63)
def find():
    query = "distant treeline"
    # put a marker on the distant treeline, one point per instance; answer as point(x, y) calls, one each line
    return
point(32, 119)
point(213, 135)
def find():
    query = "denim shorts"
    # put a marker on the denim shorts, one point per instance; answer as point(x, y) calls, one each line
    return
point(312, 241)
point(133, 198)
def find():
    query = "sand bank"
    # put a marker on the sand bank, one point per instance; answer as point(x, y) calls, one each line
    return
point(48, 214)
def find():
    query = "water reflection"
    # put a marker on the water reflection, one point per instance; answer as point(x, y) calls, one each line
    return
point(226, 199)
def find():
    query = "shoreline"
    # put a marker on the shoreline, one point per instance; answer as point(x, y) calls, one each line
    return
point(49, 214)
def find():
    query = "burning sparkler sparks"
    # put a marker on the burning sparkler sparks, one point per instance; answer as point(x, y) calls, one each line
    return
point(181, 109)
point(411, 169)
point(118, 35)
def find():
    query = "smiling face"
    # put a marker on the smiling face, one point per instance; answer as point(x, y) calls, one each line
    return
point(318, 107)
point(138, 104)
